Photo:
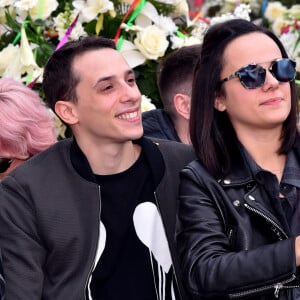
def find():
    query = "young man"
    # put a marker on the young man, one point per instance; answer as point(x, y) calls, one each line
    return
point(93, 217)
point(174, 81)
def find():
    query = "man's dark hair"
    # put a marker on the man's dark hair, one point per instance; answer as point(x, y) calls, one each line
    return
point(59, 80)
point(175, 75)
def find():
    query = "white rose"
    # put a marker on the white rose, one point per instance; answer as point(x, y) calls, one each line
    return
point(152, 42)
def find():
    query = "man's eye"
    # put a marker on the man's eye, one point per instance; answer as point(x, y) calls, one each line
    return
point(131, 80)
point(107, 87)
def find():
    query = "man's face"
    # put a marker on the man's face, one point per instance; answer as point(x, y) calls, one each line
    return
point(109, 102)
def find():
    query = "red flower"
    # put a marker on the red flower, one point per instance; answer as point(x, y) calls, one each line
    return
point(285, 29)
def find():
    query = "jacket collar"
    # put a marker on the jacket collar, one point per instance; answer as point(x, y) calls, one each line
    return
point(149, 147)
point(241, 173)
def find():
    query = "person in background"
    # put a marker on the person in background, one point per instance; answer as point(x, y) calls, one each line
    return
point(27, 126)
point(174, 81)
point(93, 217)
point(238, 230)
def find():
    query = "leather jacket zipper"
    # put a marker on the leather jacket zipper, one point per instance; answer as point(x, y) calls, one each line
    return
point(280, 286)
point(268, 219)
point(276, 288)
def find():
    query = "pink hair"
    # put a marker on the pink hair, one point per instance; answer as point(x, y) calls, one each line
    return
point(26, 124)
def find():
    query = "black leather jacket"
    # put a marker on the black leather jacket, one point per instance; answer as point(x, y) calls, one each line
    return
point(230, 244)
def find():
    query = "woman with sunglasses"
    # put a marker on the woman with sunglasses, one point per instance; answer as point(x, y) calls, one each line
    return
point(239, 212)
point(26, 125)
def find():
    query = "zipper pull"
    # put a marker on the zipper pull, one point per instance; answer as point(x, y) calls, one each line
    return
point(277, 287)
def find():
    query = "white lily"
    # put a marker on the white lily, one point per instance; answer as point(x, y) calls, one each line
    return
point(131, 54)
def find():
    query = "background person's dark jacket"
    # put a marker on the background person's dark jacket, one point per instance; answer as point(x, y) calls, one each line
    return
point(158, 124)
point(50, 214)
point(231, 245)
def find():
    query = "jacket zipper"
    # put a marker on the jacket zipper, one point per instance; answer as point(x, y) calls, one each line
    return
point(276, 288)
point(258, 212)
point(94, 260)
point(279, 286)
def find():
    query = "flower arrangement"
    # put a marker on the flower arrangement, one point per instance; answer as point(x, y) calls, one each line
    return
point(285, 23)
point(144, 31)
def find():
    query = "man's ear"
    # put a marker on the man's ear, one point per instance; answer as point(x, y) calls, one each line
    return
point(182, 104)
point(66, 111)
point(220, 103)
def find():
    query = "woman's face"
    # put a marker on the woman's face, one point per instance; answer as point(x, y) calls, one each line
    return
point(264, 107)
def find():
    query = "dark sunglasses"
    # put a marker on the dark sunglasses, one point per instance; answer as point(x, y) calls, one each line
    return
point(253, 75)
point(5, 164)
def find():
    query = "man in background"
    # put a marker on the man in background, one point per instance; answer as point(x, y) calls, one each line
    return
point(174, 81)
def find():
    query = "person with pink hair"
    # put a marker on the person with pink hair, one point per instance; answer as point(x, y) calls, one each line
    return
point(27, 126)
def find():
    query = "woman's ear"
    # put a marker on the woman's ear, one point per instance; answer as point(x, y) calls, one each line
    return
point(220, 103)
point(66, 110)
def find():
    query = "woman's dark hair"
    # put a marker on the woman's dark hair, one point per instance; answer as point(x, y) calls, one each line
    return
point(59, 80)
point(211, 131)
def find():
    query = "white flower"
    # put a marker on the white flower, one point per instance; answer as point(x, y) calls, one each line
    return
point(9, 56)
point(243, 11)
point(181, 7)
point(27, 61)
point(152, 42)
point(4, 3)
point(166, 24)
point(62, 23)
point(133, 28)
point(170, 2)
point(274, 10)
point(25, 4)
point(178, 42)
point(222, 18)
point(289, 41)
point(91, 8)
point(146, 104)
point(131, 54)
point(35, 10)
point(148, 16)
point(200, 30)
point(16, 61)
point(294, 12)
